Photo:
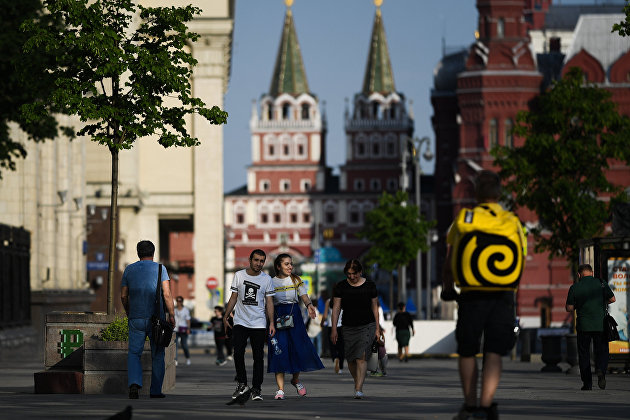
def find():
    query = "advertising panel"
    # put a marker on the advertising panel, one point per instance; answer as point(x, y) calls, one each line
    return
point(618, 273)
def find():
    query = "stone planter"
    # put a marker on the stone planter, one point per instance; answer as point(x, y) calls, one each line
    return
point(105, 367)
point(77, 362)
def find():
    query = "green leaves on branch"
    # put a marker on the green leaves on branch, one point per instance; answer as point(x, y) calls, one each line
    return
point(395, 230)
point(573, 133)
point(623, 27)
point(122, 79)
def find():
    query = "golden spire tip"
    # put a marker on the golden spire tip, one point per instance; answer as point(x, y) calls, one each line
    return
point(289, 3)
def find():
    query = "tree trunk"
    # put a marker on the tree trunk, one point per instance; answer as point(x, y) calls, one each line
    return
point(113, 222)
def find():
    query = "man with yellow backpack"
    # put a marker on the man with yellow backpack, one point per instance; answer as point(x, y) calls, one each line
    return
point(486, 255)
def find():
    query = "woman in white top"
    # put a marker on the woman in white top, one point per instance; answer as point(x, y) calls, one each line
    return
point(290, 350)
point(182, 328)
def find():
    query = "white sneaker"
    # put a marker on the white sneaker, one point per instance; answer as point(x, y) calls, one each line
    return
point(279, 395)
point(358, 395)
point(175, 362)
point(340, 372)
point(187, 362)
point(229, 358)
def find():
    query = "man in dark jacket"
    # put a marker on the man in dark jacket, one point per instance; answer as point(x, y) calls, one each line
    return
point(588, 296)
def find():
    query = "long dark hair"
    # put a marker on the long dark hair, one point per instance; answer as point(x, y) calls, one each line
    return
point(355, 264)
point(276, 266)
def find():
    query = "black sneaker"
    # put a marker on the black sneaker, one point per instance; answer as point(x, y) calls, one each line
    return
point(133, 392)
point(586, 388)
point(240, 390)
point(256, 396)
point(601, 380)
point(466, 413)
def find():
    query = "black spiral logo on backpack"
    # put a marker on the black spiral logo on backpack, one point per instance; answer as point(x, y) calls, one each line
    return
point(487, 260)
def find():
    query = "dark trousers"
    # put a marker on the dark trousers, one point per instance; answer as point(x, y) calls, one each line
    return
point(600, 347)
point(337, 350)
point(257, 338)
point(223, 343)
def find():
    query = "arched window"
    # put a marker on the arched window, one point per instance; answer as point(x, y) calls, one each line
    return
point(305, 111)
point(492, 134)
point(286, 111)
point(269, 112)
point(500, 28)
point(509, 141)
point(375, 109)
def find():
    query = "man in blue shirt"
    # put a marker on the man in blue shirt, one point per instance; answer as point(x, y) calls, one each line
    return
point(139, 283)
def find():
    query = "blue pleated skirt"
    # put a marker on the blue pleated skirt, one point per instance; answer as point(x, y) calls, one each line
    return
point(297, 351)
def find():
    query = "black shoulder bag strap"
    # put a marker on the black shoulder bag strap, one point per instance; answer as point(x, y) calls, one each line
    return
point(158, 293)
point(601, 282)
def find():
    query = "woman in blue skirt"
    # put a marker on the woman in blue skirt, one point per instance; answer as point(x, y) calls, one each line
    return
point(290, 350)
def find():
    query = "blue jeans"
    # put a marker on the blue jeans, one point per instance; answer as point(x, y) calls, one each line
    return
point(183, 337)
point(139, 330)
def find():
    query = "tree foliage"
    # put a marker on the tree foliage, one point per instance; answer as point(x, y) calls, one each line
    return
point(395, 231)
point(125, 71)
point(623, 27)
point(24, 79)
point(572, 134)
point(116, 77)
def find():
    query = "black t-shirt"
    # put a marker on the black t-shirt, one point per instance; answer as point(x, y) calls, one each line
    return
point(356, 302)
point(403, 321)
point(218, 327)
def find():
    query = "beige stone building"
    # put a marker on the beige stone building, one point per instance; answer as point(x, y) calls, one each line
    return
point(61, 192)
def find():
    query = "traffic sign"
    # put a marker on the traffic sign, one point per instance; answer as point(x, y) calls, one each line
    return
point(212, 283)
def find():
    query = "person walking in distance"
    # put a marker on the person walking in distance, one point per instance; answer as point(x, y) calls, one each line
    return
point(220, 339)
point(589, 296)
point(252, 302)
point(478, 240)
point(403, 323)
point(336, 350)
point(359, 300)
point(182, 328)
point(139, 283)
point(291, 350)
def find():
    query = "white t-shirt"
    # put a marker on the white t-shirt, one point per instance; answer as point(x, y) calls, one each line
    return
point(285, 290)
point(249, 310)
point(181, 317)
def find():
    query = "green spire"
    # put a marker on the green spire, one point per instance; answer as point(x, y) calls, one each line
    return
point(378, 73)
point(288, 74)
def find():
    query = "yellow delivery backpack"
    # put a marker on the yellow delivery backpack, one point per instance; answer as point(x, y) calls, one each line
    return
point(488, 249)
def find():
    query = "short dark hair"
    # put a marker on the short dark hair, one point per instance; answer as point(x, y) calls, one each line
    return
point(401, 306)
point(487, 186)
point(585, 267)
point(355, 264)
point(178, 298)
point(145, 249)
point(219, 308)
point(257, 252)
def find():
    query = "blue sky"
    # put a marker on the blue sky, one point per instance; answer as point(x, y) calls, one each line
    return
point(334, 37)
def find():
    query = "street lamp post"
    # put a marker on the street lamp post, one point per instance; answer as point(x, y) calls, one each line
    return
point(428, 155)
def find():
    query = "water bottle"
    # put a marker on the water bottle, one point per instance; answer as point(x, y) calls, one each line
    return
point(276, 347)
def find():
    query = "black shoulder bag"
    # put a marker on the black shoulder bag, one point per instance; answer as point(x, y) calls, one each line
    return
point(610, 325)
point(162, 330)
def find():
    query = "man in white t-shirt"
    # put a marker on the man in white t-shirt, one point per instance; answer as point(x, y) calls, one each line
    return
point(252, 302)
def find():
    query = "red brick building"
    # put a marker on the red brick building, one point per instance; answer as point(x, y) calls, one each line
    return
point(520, 48)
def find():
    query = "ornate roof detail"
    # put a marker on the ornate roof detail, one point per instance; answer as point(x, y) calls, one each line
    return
point(378, 73)
point(288, 74)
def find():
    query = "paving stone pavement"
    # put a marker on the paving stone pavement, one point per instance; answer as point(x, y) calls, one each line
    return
point(419, 389)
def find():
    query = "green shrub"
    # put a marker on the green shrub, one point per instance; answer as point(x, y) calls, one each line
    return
point(118, 330)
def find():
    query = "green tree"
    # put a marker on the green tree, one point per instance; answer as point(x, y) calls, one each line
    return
point(124, 81)
point(572, 134)
point(24, 79)
point(396, 233)
point(623, 27)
